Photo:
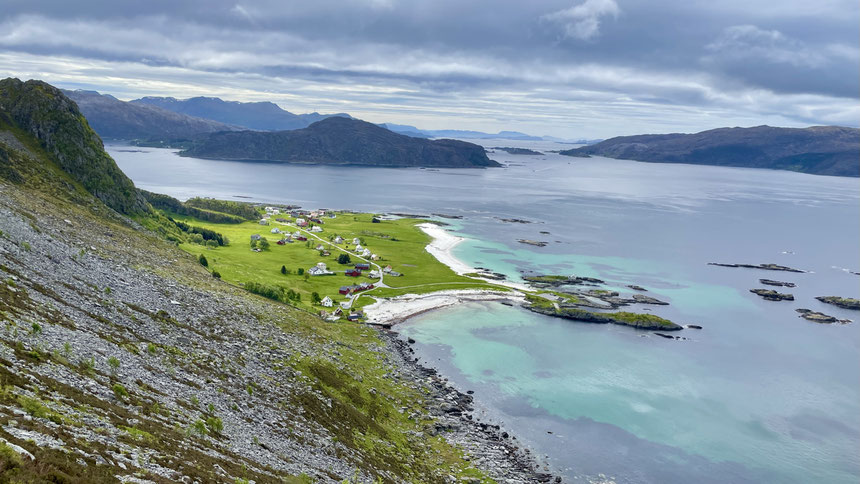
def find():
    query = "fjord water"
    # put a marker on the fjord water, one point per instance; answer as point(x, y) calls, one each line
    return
point(758, 395)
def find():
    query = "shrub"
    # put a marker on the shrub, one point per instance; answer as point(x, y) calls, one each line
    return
point(36, 328)
point(300, 271)
point(113, 363)
point(119, 391)
point(216, 274)
point(343, 259)
point(284, 270)
point(199, 427)
point(202, 260)
point(315, 298)
point(270, 292)
point(215, 424)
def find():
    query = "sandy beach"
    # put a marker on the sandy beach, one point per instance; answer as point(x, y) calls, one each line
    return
point(398, 309)
point(442, 246)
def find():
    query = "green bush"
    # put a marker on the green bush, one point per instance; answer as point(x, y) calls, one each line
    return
point(202, 260)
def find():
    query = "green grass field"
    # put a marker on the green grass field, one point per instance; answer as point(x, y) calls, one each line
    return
point(398, 243)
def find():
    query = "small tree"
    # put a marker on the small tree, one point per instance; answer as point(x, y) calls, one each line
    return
point(315, 298)
point(216, 274)
point(253, 244)
point(343, 259)
point(264, 244)
point(284, 270)
point(300, 271)
point(202, 260)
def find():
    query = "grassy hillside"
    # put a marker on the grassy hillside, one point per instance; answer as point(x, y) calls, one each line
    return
point(123, 359)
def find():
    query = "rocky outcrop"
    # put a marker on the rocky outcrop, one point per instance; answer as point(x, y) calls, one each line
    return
point(771, 282)
point(842, 302)
point(766, 267)
point(817, 317)
point(634, 320)
point(771, 295)
point(536, 243)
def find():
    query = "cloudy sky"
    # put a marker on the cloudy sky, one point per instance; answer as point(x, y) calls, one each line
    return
point(569, 68)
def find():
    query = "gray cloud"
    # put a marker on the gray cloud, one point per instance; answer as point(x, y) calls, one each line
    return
point(563, 67)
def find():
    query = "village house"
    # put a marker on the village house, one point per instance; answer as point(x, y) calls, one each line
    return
point(316, 228)
point(364, 286)
point(386, 269)
point(338, 240)
point(281, 242)
point(362, 267)
point(356, 241)
point(264, 221)
point(352, 273)
point(327, 302)
point(276, 230)
point(301, 222)
point(345, 290)
point(373, 274)
point(319, 247)
point(359, 248)
point(320, 270)
point(256, 237)
point(366, 253)
point(374, 257)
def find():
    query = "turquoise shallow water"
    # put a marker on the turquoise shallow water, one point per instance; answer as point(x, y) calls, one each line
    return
point(758, 395)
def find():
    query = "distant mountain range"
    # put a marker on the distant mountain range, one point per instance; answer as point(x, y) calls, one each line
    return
point(262, 116)
point(820, 150)
point(456, 133)
point(341, 141)
point(115, 119)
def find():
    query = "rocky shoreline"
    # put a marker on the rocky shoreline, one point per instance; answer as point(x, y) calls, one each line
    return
point(766, 267)
point(493, 447)
point(842, 302)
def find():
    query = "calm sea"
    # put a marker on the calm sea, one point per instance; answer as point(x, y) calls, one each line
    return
point(758, 395)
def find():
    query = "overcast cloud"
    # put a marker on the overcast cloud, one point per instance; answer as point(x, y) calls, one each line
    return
point(571, 68)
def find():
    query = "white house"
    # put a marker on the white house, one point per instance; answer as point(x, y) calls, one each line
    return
point(386, 269)
point(264, 222)
point(338, 240)
point(316, 228)
point(319, 247)
point(256, 237)
point(356, 241)
point(327, 302)
point(319, 270)
point(366, 253)
point(276, 230)
point(359, 248)
point(374, 257)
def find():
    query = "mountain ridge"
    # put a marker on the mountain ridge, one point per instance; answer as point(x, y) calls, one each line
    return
point(819, 150)
point(260, 115)
point(115, 119)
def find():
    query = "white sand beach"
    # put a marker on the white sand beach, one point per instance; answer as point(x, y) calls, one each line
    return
point(442, 247)
point(398, 309)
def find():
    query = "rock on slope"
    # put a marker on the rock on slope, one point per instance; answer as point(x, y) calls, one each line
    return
point(122, 359)
point(341, 141)
point(112, 118)
point(821, 150)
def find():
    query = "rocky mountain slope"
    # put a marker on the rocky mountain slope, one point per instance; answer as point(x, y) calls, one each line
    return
point(55, 123)
point(263, 116)
point(820, 150)
point(115, 119)
point(340, 141)
point(123, 360)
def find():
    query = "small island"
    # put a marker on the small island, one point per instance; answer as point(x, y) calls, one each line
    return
point(766, 267)
point(771, 295)
point(842, 302)
point(817, 317)
point(541, 305)
point(771, 282)
point(518, 151)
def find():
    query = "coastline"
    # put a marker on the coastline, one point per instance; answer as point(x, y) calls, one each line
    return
point(390, 311)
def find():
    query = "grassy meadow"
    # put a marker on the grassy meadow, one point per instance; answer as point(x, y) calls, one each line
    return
point(398, 243)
